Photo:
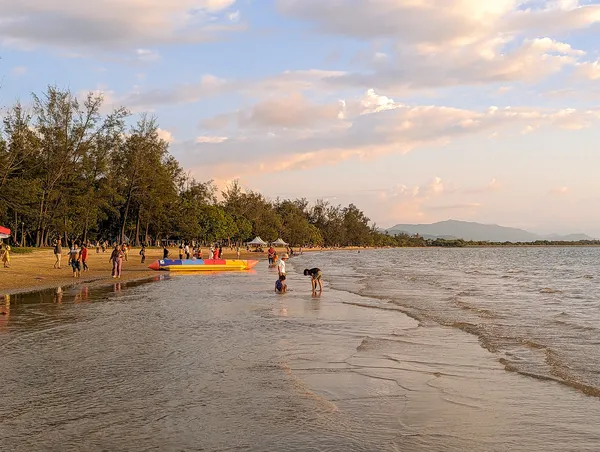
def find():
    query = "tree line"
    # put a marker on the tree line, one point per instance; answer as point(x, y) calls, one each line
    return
point(70, 170)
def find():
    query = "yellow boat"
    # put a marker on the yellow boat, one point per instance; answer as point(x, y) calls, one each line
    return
point(199, 265)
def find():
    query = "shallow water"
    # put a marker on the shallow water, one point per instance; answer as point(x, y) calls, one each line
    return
point(538, 308)
point(219, 362)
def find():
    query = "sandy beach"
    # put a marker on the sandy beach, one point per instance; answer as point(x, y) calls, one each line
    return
point(36, 270)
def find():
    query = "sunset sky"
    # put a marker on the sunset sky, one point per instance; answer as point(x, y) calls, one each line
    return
point(415, 110)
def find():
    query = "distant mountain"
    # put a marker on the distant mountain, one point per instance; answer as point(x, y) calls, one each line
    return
point(453, 229)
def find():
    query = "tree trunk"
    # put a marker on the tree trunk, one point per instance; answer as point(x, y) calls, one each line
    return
point(125, 214)
point(38, 238)
point(16, 228)
point(147, 227)
point(137, 229)
point(65, 231)
point(85, 229)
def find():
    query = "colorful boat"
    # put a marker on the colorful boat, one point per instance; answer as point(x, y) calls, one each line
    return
point(199, 265)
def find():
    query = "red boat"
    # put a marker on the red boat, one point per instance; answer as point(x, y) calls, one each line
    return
point(4, 232)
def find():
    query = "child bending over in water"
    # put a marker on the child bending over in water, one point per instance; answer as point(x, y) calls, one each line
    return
point(280, 285)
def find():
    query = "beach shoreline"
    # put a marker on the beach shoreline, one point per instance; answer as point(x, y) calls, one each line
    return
point(34, 271)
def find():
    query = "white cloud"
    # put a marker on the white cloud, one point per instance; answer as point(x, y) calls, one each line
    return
point(165, 135)
point(436, 43)
point(147, 55)
point(234, 16)
point(19, 70)
point(210, 139)
point(108, 24)
point(589, 70)
point(363, 133)
point(451, 23)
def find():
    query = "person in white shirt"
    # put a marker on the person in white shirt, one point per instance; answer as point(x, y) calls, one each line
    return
point(281, 264)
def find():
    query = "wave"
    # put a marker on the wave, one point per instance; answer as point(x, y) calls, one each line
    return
point(550, 290)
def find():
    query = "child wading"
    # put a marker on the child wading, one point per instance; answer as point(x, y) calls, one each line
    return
point(280, 285)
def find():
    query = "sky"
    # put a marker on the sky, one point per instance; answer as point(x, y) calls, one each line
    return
point(415, 110)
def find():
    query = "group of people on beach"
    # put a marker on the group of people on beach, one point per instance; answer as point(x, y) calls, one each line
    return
point(77, 257)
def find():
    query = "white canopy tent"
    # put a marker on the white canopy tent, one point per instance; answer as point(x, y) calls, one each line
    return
point(257, 242)
point(279, 242)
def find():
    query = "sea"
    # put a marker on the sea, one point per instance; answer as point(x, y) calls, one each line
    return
point(462, 349)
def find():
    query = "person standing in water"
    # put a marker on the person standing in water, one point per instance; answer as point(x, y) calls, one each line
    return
point(315, 276)
point(270, 255)
point(281, 265)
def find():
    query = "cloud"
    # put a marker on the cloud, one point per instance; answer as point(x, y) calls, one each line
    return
point(209, 85)
point(491, 186)
point(589, 70)
point(559, 191)
point(209, 139)
point(364, 131)
point(111, 25)
point(411, 203)
point(432, 43)
point(459, 206)
point(147, 55)
point(19, 70)
point(433, 22)
point(165, 135)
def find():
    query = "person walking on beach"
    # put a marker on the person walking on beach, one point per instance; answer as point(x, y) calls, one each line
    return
point(57, 253)
point(75, 260)
point(84, 256)
point(143, 253)
point(281, 264)
point(165, 252)
point(220, 252)
point(116, 258)
point(186, 250)
point(237, 251)
point(181, 251)
point(125, 251)
point(315, 277)
point(6, 256)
